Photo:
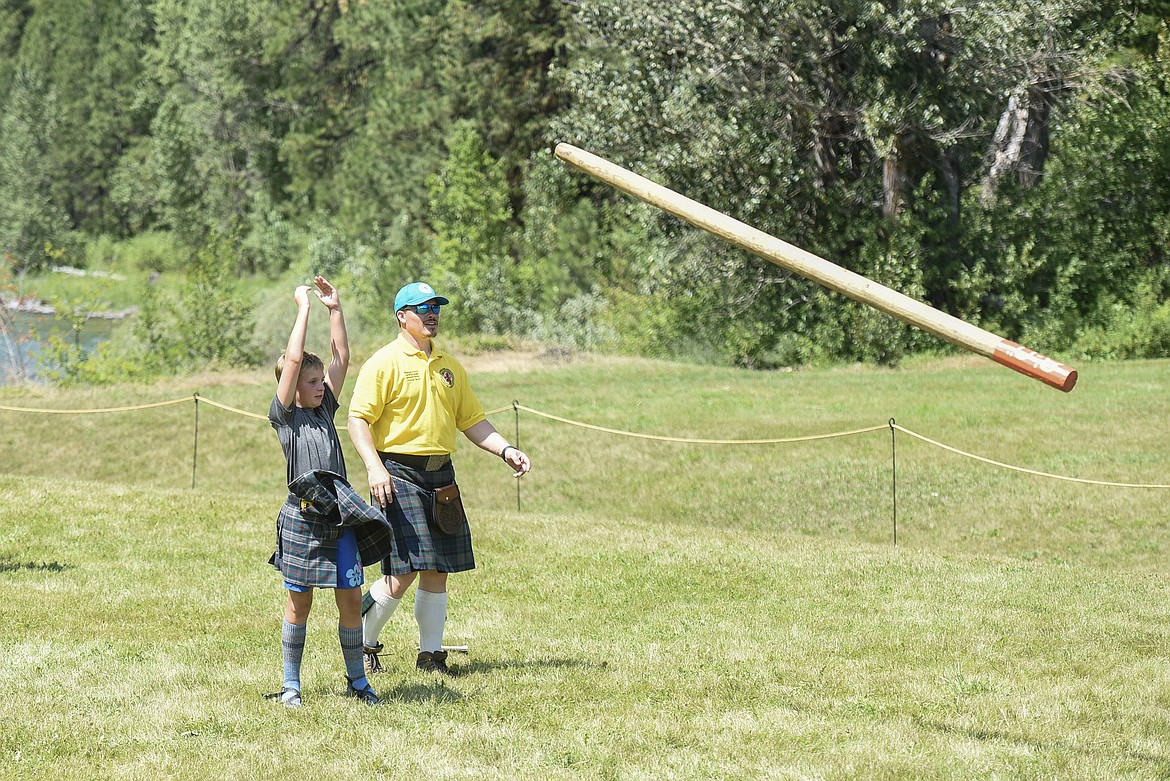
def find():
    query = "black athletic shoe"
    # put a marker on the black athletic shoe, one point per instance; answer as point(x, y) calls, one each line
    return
point(371, 661)
point(365, 694)
point(289, 698)
point(434, 662)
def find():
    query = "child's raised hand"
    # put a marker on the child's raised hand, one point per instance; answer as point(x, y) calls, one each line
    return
point(326, 292)
point(301, 295)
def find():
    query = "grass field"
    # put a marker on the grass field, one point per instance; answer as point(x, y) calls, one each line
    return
point(654, 609)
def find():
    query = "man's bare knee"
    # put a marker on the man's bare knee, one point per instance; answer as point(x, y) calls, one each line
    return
point(435, 582)
point(398, 584)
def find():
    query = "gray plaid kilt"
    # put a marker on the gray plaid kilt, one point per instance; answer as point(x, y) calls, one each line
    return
point(306, 548)
point(418, 545)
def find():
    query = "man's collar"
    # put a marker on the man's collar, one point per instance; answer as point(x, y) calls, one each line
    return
point(407, 347)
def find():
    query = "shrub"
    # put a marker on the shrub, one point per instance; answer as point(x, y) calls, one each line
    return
point(580, 322)
point(151, 251)
point(107, 364)
point(1137, 328)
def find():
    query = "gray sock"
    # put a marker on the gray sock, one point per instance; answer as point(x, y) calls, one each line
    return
point(351, 651)
point(292, 647)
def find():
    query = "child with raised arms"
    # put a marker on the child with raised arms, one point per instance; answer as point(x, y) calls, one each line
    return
point(313, 550)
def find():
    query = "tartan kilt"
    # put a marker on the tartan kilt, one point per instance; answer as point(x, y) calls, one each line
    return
point(306, 547)
point(418, 545)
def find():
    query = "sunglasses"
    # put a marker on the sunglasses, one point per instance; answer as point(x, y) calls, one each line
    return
point(423, 309)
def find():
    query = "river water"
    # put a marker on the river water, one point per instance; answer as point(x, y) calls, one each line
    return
point(32, 332)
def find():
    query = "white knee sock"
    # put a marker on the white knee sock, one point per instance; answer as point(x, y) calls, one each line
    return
point(379, 613)
point(430, 611)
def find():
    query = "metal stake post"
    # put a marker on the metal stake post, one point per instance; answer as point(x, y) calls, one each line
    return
point(894, 477)
point(516, 412)
point(195, 454)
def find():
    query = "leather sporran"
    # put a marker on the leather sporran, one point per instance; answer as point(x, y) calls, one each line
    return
point(447, 509)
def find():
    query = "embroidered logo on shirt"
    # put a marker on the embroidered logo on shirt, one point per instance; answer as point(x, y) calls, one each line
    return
point(447, 377)
point(410, 376)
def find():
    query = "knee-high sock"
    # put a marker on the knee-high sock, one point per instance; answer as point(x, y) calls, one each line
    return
point(379, 612)
point(292, 647)
point(430, 611)
point(351, 651)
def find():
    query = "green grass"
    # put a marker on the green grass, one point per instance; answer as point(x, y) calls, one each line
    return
point(93, 292)
point(653, 610)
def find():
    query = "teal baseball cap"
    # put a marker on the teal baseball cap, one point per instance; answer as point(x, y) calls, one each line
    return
point(416, 293)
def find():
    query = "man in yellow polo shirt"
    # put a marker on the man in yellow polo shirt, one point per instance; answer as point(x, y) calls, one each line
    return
point(409, 400)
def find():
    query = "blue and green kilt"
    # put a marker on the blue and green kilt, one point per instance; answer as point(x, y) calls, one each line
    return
point(418, 545)
point(307, 548)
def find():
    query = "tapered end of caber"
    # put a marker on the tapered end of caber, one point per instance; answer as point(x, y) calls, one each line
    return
point(1035, 365)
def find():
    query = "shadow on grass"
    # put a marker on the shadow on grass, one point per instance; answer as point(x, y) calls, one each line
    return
point(479, 666)
point(1003, 736)
point(8, 564)
point(438, 690)
point(422, 692)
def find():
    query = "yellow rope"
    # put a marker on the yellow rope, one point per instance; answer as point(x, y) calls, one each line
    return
point(91, 411)
point(1022, 469)
point(700, 441)
point(206, 400)
point(655, 437)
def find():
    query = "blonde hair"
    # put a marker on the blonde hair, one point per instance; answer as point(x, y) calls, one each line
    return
point(308, 361)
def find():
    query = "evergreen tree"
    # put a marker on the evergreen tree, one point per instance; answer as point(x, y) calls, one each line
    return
point(91, 53)
point(30, 223)
point(470, 213)
point(395, 127)
point(14, 15)
point(213, 164)
point(513, 49)
point(424, 65)
point(319, 79)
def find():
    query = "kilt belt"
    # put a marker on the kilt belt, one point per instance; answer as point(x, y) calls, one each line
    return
point(424, 463)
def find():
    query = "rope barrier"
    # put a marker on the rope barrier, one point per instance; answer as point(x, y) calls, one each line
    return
point(206, 400)
point(655, 437)
point(184, 400)
point(688, 440)
point(1023, 469)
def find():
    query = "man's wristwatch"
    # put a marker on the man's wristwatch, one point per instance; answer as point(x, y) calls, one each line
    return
point(504, 452)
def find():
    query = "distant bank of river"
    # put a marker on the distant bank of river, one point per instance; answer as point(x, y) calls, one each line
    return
point(32, 331)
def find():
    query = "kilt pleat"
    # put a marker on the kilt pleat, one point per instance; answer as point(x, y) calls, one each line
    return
point(418, 545)
point(306, 546)
point(306, 549)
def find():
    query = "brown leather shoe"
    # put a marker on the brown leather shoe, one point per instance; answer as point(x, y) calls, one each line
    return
point(370, 658)
point(434, 662)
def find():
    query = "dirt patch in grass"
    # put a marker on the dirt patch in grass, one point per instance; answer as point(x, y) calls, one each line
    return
point(522, 359)
point(537, 359)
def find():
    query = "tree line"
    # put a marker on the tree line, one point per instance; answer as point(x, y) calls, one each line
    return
point(1006, 162)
